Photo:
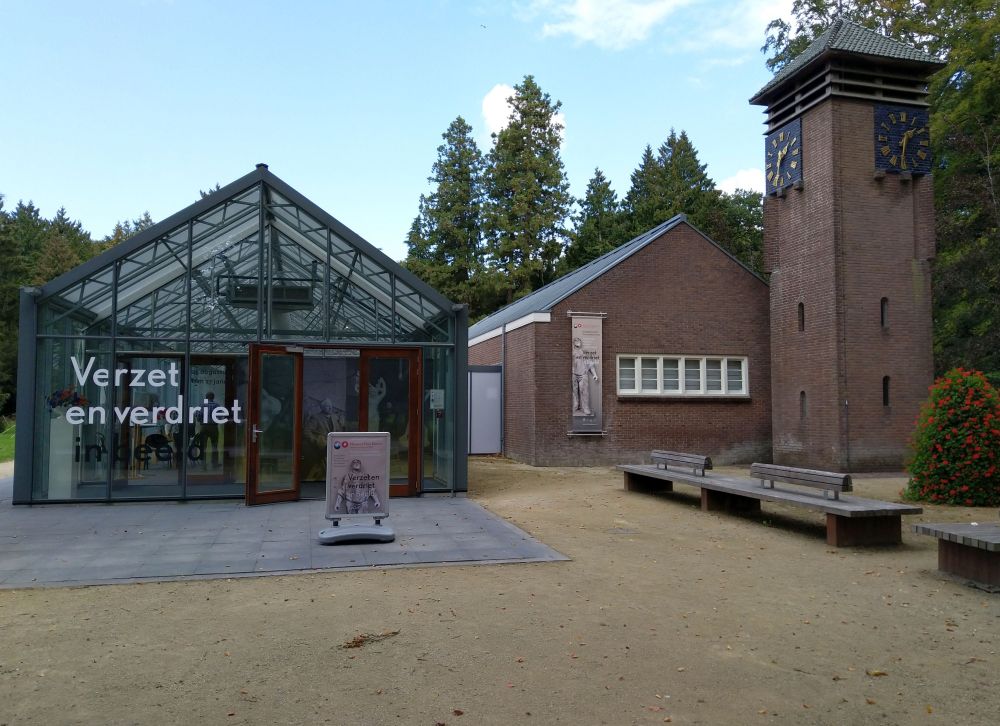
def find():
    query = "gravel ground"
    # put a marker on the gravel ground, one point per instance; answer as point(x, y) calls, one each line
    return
point(665, 614)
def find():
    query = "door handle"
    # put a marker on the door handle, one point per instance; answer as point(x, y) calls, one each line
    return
point(255, 431)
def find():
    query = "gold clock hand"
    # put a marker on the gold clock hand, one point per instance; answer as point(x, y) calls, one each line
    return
point(902, 142)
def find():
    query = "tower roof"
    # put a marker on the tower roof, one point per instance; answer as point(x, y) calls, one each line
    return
point(848, 38)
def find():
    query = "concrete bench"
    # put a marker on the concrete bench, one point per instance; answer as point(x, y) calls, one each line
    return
point(850, 521)
point(967, 550)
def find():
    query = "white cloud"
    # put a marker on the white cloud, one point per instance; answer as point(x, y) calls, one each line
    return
point(701, 25)
point(740, 24)
point(497, 111)
point(752, 179)
point(609, 24)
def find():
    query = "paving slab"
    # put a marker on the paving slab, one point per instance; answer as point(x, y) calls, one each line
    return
point(87, 544)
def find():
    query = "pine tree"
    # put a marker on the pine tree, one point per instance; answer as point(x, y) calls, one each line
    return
point(599, 224)
point(126, 229)
point(688, 189)
point(643, 203)
point(670, 183)
point(444, 241)
point(528, 201)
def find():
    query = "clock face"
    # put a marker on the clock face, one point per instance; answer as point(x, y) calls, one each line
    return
point(783, 156)
point(902, 139)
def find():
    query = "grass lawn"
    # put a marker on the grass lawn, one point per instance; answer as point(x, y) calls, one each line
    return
point(7, 445)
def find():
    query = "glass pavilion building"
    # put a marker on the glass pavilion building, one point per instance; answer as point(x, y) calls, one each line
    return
point(210, 355)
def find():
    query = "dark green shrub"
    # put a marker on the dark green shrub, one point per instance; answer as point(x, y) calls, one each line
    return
point(957, 443)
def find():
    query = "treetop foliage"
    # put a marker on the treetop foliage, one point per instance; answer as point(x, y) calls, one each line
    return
point(519, 230)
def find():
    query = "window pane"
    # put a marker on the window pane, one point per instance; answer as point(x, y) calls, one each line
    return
point(692, 374)
point(671, 374)
point(649, 374)
point(713, 376)
point(734, 375)
point(72, 452)
point(626, 374)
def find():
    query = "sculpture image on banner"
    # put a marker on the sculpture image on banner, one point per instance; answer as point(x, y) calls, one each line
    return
point(586, 415)
point(357, 474)
point(329, 403)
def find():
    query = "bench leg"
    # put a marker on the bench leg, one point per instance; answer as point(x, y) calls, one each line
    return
point(969, 562)
point(713, 501)
point(646, 484)
point(855, 531)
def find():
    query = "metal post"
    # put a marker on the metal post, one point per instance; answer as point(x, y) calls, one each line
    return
point(27, 398)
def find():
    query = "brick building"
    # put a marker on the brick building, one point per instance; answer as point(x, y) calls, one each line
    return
point(825, 366)
point(685, 360)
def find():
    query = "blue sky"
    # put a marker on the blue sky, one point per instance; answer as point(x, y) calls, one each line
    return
point(117, 107)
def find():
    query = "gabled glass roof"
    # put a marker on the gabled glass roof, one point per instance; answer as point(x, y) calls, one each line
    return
point(253, 261)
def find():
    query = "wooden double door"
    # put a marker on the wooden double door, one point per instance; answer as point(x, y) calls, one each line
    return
point(297, 394)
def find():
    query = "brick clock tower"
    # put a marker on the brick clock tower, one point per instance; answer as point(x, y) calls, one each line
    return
point(848, 243)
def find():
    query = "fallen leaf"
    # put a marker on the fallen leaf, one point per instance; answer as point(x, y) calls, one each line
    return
point(870, 701)
point(762, 712)
point(458, 712)
point(362, 638)
point(876, 674)
point(680, 670)
point(930, 709)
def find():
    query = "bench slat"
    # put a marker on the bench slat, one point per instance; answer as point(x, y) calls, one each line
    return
point(829, 480)
point(680, 458)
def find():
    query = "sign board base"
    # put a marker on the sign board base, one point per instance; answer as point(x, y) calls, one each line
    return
point(356, 533)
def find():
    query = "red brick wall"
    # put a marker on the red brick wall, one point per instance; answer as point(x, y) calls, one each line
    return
point(798, 233)
point(840, 245)
point(520, 396)
point(487, 353)
point(679, 295)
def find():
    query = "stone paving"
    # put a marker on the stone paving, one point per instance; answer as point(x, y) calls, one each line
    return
point(85, 544)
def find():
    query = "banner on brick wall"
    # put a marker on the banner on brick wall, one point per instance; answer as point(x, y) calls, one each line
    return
point(586, 416)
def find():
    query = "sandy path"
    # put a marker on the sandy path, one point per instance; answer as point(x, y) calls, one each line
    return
point(664, 614)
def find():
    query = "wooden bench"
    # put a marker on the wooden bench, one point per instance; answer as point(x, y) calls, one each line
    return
point(850, 521)
point(696, 462)
point(830, 482)
point(967, 550)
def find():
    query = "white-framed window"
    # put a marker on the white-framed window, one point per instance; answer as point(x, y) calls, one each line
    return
point(682, 375)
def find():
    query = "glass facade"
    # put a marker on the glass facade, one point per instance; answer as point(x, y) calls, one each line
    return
point(137, 365)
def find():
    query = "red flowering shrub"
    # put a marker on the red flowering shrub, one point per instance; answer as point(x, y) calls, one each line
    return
point(957, 443)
